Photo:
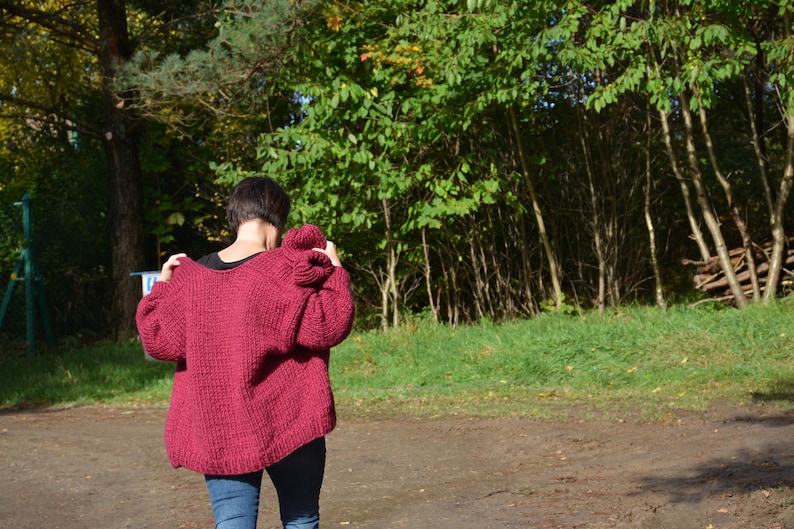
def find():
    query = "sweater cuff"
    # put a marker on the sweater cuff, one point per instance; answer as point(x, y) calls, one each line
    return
point(311, 268)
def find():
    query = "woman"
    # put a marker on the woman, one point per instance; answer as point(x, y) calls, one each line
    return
point(250, 328)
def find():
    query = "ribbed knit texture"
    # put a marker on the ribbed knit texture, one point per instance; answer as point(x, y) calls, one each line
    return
point(251, 346)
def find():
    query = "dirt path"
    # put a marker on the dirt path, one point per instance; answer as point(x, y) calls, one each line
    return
point(105, 468)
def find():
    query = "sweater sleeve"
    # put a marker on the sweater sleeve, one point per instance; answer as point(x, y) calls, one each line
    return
point(161, 322)
point(329, 314)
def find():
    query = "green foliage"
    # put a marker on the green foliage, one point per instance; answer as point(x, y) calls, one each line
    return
point(50, 121)
point(388, 124)
point(550, 306)
point(184, 210)
point(394, 138)
point(392, 131)
point(69, 219)
point(659, 53)
point(226, 76)
point(209, 95)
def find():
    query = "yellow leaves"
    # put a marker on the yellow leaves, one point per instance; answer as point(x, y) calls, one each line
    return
point(423, 81)
point(334, 23)
point(405, 59)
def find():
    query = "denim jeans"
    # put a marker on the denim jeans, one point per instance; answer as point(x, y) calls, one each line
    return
point(297, 479)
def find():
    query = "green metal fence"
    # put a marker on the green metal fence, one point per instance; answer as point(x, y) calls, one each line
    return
point(26, 273)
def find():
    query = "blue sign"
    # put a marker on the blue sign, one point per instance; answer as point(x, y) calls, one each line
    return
point(147, 280)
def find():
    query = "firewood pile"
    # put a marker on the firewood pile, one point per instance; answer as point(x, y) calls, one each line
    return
point(710, 277)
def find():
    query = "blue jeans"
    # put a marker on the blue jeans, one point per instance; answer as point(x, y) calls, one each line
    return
point(297, 479)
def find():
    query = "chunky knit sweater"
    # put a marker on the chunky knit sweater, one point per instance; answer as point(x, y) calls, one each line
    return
point(251, 347)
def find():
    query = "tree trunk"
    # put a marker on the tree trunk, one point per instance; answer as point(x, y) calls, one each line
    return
point(657, 271)
point(506, 297)
point(544, 236)
point(391, 268)
point(595, 219)
point(124, 174)
point(478, 293)
point(428, 276)
point(385, 288)
point(126, 233)
point(747, 242)
point(776, 220)
point(706, 209)
point(758, 142)
point(525, 274)
point(451, 292)
point(697, 234)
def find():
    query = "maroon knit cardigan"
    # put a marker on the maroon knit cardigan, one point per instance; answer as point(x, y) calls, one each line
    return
point(251, 347)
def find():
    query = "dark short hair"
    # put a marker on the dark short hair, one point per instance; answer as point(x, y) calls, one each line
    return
point(258, 197)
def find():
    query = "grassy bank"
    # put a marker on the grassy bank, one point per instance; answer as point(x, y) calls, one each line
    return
point(638, 359)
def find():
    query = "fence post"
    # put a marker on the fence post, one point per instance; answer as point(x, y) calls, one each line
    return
point(34, 287)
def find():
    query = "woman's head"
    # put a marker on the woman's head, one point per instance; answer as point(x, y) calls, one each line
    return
point(258, 197)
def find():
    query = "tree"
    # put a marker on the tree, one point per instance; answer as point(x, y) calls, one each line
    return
point(42, 38)
point(486, 160)
point(61, 75)
point(685, 57)
point(207, 99)
point(415, 112)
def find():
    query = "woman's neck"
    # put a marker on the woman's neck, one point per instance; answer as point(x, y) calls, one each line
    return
point(253, 236)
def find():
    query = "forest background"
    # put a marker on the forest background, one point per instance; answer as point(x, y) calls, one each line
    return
point(474, 160)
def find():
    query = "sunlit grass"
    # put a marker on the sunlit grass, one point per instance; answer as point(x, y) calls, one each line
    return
point(638, 359)
point(634, 361)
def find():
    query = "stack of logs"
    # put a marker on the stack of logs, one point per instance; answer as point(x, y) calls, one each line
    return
point(710, 278)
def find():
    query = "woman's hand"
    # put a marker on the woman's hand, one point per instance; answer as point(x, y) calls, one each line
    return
point(330, 251)
point(168, 267)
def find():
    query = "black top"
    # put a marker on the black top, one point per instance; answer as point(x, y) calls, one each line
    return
point(214, 262)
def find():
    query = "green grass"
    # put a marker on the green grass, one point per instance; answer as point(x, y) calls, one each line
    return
point(637, 361)
point(104, 373)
